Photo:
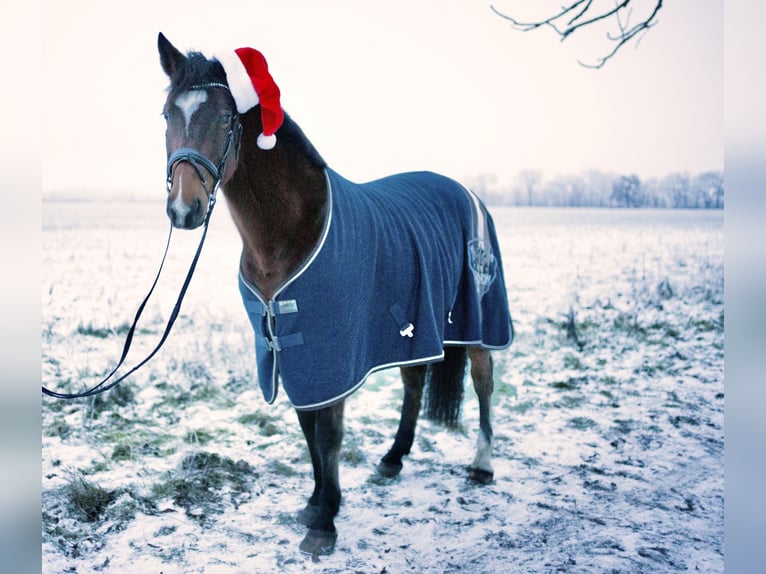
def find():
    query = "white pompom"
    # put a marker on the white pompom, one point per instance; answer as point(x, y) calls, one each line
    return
point(266, 142)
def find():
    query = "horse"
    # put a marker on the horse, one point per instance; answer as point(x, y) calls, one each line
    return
point(435, 287)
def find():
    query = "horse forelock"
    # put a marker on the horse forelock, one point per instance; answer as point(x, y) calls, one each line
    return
point(196, 70)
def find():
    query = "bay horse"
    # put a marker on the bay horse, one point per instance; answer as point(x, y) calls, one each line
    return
point(338, 279)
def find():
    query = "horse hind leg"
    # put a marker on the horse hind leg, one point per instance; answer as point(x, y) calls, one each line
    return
point(413, 378)
point(481, 372)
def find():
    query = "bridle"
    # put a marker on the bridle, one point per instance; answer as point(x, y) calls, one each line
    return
point(196, 159)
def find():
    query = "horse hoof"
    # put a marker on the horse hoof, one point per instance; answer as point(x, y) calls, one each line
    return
point(308, 515)
point(480, 475)
point(319, 543)
point(388, 470)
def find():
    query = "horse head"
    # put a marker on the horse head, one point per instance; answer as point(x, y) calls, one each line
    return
point(202, 136)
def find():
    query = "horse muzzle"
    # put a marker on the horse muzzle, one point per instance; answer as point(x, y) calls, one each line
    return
point(188, 174)
point(186, 216)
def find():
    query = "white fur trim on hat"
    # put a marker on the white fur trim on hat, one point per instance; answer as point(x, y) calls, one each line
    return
point(266, 142)
point(240, 83)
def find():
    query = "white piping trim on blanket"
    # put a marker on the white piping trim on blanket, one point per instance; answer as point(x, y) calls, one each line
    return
point(319, 246)
point(254, 290)
point(307, 263)
point(410, 363)
point(353, 389)
point(478, 344)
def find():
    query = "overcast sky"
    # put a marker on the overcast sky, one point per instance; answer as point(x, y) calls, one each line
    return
point(388, 86)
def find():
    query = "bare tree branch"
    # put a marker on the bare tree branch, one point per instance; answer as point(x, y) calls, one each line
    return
point(580, 14)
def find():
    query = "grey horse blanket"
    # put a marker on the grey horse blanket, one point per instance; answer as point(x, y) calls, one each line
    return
point(406, 265)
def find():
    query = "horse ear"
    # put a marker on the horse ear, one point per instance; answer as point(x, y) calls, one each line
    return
point(170, 57)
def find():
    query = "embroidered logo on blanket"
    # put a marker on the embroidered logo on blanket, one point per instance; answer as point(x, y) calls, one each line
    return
point(483, 264)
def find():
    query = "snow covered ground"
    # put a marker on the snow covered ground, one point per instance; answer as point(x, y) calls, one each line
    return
point(608, 457)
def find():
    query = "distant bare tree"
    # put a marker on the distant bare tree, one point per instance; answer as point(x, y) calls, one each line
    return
point(530, 182)
point(627, 192)
point(578, 14)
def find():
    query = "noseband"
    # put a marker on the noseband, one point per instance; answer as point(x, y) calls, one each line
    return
point(197, 158)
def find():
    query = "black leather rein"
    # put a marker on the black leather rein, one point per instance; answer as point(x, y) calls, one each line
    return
point(195, 158)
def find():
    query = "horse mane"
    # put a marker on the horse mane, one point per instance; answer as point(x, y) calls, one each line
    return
point(290, 134)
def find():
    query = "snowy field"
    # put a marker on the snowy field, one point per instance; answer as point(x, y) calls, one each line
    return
point(608, 456)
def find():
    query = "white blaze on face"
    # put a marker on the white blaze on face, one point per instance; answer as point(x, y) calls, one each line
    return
point(179, 207)
point(189, 102)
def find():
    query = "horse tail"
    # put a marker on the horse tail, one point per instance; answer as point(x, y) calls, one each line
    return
point(445, 388)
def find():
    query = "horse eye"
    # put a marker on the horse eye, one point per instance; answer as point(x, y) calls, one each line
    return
point(165, 115)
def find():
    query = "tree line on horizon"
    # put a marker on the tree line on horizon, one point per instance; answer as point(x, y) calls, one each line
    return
point(598, 189)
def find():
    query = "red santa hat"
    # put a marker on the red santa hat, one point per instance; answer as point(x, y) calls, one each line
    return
point(251, 84)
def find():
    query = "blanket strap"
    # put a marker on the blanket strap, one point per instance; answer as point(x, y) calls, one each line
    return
point(406, 329)
point(273, 309)
point(285, 341)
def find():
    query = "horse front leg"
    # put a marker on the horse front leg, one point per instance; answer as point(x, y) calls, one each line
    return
point(307, 420)
point(323, 429)
point(483, 382)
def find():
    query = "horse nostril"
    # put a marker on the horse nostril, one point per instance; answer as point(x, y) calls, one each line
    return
point(193, 215)
point(171, 213)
